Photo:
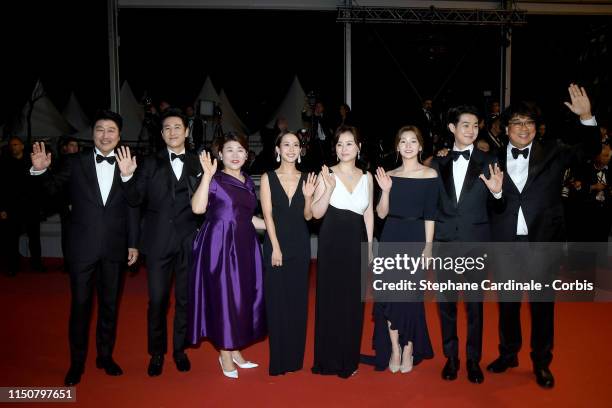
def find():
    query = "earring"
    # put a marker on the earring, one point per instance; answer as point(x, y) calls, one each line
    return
point(338, 157)
point(357, 154)
point(299, 158)
point(278, 157)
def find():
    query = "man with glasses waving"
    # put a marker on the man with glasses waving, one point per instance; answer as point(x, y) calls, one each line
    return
point(531, 211)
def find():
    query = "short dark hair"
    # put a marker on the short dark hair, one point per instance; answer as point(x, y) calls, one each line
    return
point(105, 114)
point(10, 139)
point(174, 113)
point(522, 108)
point(67, 139)
point(454, 114)
point(233, 137)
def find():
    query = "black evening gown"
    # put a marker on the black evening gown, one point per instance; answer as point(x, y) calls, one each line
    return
point(286, 286)
point(339, 309)
point(411, 202)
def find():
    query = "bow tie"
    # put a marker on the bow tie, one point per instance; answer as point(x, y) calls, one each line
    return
point(108, 159)
point(516, 152)
point(177, 156)
point(456, 154)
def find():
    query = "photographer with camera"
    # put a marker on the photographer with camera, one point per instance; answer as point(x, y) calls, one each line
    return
point(321, 129)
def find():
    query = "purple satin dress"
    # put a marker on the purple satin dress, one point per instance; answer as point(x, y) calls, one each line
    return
point(226, 282)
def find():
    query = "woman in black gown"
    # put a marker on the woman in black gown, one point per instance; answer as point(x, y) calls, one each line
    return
point(286, 198)
point(408, 202)
point(344, 198)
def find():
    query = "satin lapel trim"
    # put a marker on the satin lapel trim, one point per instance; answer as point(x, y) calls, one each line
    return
point(536, 158)
point(165, 167)
point(446, 170)
point(89, 168)
point(115, 185)
point(507, 183)
point(471, 175)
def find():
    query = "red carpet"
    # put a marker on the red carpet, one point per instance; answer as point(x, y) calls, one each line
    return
point(34, 352)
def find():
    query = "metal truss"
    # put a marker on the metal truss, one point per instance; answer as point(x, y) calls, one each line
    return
point(430, 15)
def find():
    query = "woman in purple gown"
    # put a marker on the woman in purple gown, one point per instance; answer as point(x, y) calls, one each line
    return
point(226, 283)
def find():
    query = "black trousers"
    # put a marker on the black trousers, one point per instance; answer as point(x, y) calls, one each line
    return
point(450, 341)
point(106, 277)
point(542, 320)
point(542, 331)
point(160, 271)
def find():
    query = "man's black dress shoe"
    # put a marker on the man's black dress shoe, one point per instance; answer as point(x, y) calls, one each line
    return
point(502, 364)
point(73, 377)
point(544, 377)
point(182, 362)
point(475, 374)
point(109, 366)
point(449, 372)
point(156, 364)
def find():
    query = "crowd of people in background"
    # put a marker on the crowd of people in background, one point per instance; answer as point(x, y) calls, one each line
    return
point(191, 208)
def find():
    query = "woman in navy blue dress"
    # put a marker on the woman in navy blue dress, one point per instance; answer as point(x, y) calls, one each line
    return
point(408, 202)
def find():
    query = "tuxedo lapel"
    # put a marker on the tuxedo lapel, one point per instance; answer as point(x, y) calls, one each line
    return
point(165, 169)
point(536, 159)
point(89, 169)
point(115, 185)
point(446, 172)
point(502, 162)
point(472, 174)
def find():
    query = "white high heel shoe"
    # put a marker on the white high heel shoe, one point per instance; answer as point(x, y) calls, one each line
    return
point(246, 364)
point(230, 374)
point(406, 366)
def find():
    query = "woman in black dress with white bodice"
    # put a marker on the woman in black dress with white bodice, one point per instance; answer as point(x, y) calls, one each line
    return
point(343, 198)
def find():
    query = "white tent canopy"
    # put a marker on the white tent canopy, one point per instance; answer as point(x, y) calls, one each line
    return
point(46, 121)
point(291, 106)
point(231, 122)
point(74, 114)
point(207, 93)
point(132, 113)
point(76, 117)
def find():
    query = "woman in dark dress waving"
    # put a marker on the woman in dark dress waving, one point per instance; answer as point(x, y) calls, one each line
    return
point(408, 202)
point(286, 198)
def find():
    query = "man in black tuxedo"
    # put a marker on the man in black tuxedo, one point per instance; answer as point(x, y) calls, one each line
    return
point(102, 233)
point(532, 211)
point(164, 184)
point(464, 195)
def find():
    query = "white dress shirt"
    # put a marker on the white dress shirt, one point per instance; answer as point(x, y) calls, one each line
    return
point(177, 164)
point(105, 173)
point(518, 170)
point(460, 167)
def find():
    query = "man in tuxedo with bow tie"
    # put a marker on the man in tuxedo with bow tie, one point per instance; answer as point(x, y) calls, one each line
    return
point(163, 185)
point(468, 181)
point(102, 235)
point(532, 211)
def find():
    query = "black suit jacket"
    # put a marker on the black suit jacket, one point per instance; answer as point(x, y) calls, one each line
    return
point(95, 231)
point(153, 187)
point(540, 199)
point(466, 220)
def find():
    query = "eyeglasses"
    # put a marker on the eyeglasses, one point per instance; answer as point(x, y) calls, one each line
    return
point(520, 123)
